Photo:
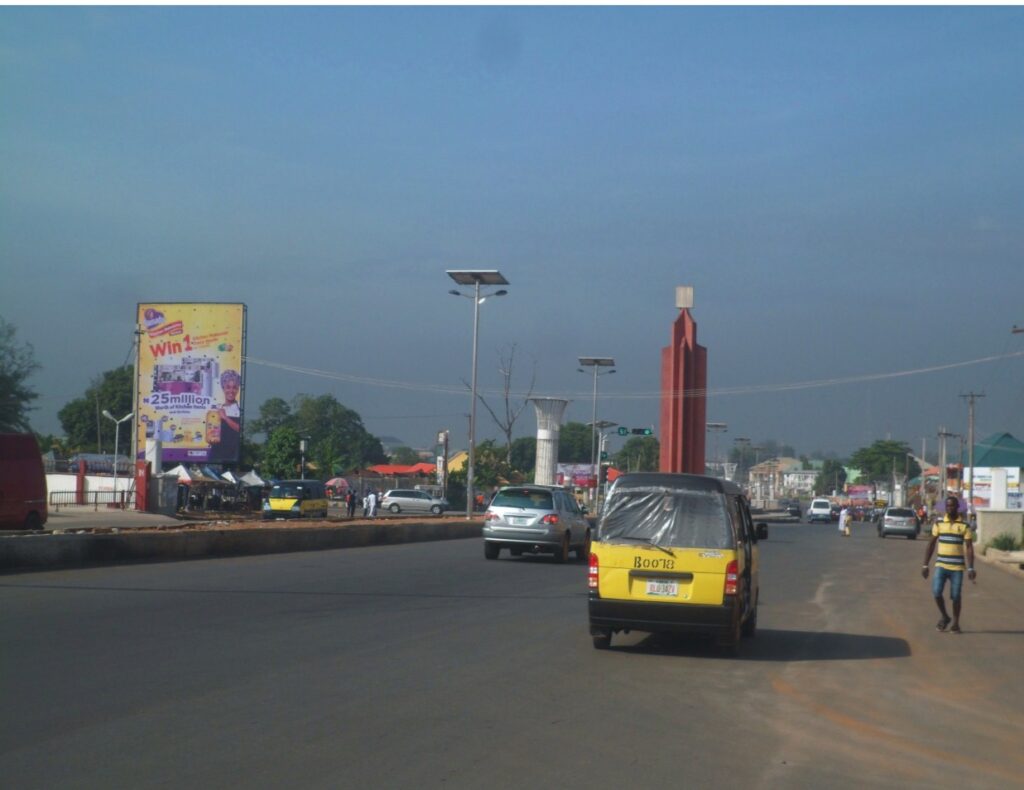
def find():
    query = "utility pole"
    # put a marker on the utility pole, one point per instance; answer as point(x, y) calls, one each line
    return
point(971, 397)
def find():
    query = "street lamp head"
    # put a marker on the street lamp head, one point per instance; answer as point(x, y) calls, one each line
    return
point(502, 292)
point(109, 416)
point(453, 292)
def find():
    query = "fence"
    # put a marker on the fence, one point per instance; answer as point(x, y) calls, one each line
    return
point(121, 499)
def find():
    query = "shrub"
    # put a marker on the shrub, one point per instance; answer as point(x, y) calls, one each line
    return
point(1004, 542)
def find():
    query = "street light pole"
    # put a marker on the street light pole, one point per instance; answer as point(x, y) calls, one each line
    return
point(117, 431)
point(596, 363)
point(475, 278)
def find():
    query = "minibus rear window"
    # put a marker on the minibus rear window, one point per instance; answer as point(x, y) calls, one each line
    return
point(667, 517)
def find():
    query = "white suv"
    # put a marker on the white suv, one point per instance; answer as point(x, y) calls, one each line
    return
point(820, 510)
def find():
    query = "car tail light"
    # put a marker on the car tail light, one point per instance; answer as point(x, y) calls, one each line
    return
point(550, 518)
point(592, 572)
point(731, 577)
point(490, 515)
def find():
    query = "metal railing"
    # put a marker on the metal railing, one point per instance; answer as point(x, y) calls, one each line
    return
point(124, 500)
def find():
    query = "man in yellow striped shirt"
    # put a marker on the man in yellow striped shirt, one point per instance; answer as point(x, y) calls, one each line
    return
point(955, 544)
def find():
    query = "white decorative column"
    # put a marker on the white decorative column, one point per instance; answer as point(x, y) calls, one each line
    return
point(549, 425)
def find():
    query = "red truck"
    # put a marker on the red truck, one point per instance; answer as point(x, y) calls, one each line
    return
point(22, 482)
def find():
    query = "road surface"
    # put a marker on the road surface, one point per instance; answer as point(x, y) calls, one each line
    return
point(424, 665)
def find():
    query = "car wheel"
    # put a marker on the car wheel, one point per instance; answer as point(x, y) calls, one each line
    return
point(603, 640)
point(562, 552)
point(436, 510)
point(395, 509)
point(32, 521)
point(583, 552)
point(491, 551)
point(911, 537)
point(750, 626)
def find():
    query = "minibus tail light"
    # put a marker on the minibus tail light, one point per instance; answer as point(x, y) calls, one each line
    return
point(592, 575)
point(731, 577)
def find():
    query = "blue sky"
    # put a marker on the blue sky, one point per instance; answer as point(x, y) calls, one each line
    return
point(843, 187)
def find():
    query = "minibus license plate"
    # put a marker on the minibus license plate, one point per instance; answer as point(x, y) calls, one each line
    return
point(662, 587)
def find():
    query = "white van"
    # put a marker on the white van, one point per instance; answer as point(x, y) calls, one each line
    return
point(820, 510)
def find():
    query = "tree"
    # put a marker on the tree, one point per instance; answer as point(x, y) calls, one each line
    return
point(405, 456)
point(17, 363)
point(506, 358)
point(338, 440)
point(523, 458)
point(639, 454)
point(274, 412)
point(281, 455)
point(831, 476)
point(574, 443)
point(83, 421)
point(878, 461)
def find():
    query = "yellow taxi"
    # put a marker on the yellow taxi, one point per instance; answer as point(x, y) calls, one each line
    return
point(675, 553)
point(296, 499)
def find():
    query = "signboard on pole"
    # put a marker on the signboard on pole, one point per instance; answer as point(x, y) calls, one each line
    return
point(190, 380)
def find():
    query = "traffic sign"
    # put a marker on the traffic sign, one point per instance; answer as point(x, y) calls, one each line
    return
point(623, 431)
point(604, 455)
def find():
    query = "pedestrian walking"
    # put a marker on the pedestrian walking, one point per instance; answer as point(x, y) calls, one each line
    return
point(350, 504)
point(955, 541)
point(371, 501)
point(844, 521)
point(366, 505)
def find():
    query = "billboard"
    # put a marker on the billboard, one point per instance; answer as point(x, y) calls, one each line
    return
point(575, 475)
point(190, 380)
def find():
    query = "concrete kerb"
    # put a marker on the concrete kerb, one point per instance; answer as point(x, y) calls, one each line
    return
point(1011, 562)
point(28, 552)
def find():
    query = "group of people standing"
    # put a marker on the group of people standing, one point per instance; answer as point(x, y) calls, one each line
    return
point(370, 502)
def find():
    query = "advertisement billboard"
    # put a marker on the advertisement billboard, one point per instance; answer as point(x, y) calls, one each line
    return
point(190, 380)
point(575, 475)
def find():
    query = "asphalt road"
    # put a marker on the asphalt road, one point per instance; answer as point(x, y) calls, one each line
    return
point(423, 665)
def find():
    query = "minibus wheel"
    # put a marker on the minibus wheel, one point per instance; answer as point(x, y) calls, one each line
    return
point(603, 640)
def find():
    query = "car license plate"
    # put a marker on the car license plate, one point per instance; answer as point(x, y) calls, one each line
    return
point(518, 521)
point(662, 587)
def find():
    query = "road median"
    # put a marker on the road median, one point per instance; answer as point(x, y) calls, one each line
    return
point(61, 550)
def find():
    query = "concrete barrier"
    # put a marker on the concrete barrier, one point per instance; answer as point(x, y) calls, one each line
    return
point(60, 551)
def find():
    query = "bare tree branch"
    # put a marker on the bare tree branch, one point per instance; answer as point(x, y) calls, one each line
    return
point(506, 359)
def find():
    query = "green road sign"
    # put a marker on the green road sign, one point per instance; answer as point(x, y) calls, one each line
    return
point(604, 455)
point(623, 431)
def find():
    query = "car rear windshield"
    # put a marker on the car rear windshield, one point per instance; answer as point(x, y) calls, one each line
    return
point(901, 512)
point(821, 503)
point(667, 517)
point(523, 497)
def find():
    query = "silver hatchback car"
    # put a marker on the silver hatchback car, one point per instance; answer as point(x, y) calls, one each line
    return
point(407, 500)
point(899, 521)
point(536, 519)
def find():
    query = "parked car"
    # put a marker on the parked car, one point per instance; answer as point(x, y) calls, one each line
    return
point(408, 500)
point(820, 510)
point(899, 521)
point(792, 507)
point(536, 519)
point(675, 553)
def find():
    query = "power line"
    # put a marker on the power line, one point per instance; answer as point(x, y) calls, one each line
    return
point(751, 389)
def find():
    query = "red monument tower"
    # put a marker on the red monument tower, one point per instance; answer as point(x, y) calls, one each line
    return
point(684, 380)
